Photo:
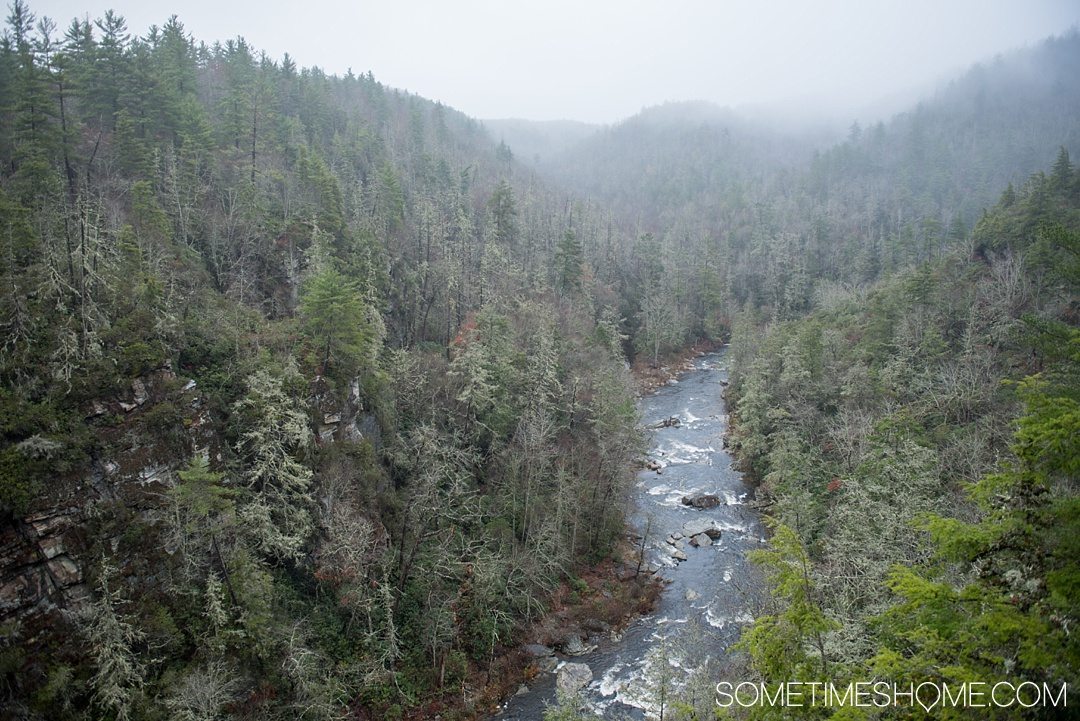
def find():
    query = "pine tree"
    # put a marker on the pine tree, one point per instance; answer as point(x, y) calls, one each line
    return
point(1061, 175)
point(475, 389)
point(779, 643)
point(345, 330)
point(504, 214)
point(568, 261)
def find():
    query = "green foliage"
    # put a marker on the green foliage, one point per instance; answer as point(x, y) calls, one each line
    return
point(504, 213)
point(865, 422)
point(347, 333)
point(779, 643)
point(1012, 618)
point(40, 442)
point(172, 206)
point(568, 262)
point(20, 479)
point(202, 494)
point(111, 638)
point(168, 204)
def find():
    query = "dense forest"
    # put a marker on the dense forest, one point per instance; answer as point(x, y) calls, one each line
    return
point(918, 444)
point(315, 393)
point(308, 400)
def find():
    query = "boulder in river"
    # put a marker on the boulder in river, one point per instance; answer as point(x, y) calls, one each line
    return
point(701, 525)
point(705, 501)
point(572, 677)
point(701, 540)
point(692, 595)
point(677, 553)
point(573, 646)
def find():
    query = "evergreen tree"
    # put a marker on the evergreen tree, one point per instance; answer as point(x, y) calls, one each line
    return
point(569, 257)
point(344, 328)
point(504, 214)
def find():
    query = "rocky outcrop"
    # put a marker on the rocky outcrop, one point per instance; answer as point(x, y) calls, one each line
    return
point(596, 625)
point(537, 650)
point(345, 422)
point(37, 573)
point(542, 656)
point(144, 433)
point(547, 664)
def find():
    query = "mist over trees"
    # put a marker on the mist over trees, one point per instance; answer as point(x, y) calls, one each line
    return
point(315, 391)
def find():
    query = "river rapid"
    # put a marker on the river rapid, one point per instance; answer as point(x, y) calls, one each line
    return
point(683, 646)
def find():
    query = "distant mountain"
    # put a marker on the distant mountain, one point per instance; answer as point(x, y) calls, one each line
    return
point(535, 141)
point(952, 154)
point(781, 211)
point(650, 166)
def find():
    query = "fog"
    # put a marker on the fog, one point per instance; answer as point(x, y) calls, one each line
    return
point(603, 60)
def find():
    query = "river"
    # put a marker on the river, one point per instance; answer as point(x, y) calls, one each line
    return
point(683, 644)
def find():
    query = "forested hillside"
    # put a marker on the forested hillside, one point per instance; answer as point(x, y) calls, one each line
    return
point(534, 142)
point(308, 402)
point(904, 336)
point(314, 395)
point(771, 218)
point(917, 444)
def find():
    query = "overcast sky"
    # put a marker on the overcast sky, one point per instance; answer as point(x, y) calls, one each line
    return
point(603, 60)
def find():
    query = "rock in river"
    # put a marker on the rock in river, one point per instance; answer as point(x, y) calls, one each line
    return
point(572, 677)
point(572, 646)
point(547, 664)
point(702, 525)
point(706, 501)
point(677, 553)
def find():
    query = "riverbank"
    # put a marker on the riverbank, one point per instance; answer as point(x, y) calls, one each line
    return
point(649, 378)
point(710, 589)
point(597, 605)
point(602, 599)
